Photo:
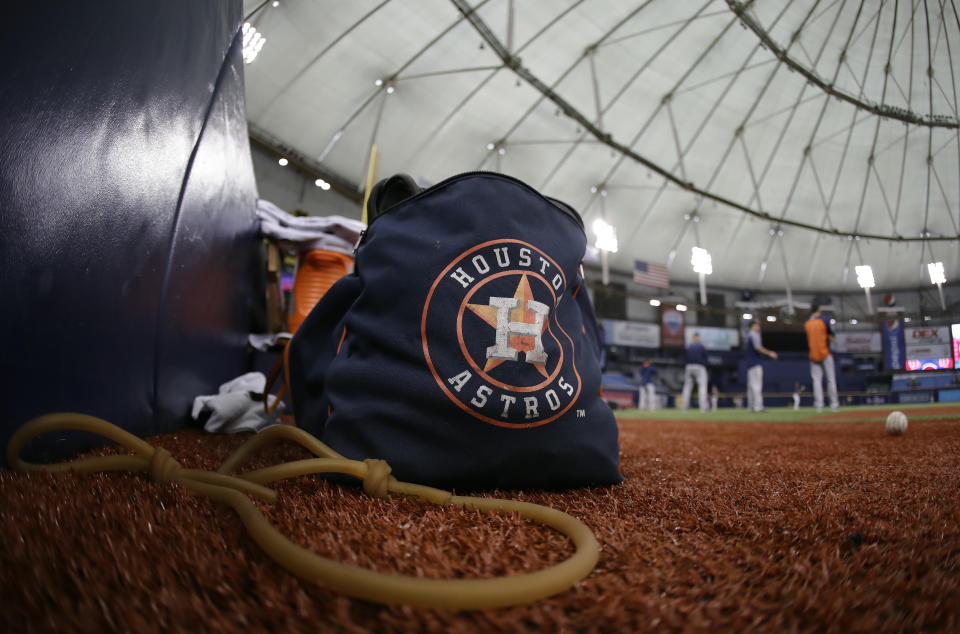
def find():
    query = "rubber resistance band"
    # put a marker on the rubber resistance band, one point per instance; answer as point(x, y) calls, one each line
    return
point(362, 583)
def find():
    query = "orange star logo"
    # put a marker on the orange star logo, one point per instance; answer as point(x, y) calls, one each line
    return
point(520, 343)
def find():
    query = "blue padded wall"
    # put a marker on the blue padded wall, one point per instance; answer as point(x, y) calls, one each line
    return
point(128, 254)
point(214, 258)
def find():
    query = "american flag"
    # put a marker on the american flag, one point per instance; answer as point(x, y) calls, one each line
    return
point(649, 274)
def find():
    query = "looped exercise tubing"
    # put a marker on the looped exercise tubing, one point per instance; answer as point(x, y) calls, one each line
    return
point(391, 588)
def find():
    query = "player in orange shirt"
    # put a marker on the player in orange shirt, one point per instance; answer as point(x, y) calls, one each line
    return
point(819, 337)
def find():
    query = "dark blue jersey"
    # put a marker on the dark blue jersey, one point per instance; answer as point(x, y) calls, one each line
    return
point(696, 353)
point(647, 374)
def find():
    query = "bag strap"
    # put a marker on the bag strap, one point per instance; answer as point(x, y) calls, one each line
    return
point(282, 363)
point(271, 379)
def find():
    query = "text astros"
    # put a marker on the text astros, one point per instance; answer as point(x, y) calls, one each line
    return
point(492, 338)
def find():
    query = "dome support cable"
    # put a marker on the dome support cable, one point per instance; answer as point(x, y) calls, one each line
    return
point(316, 58)
point(881, 110)
point(568, 109)
point(807, 150)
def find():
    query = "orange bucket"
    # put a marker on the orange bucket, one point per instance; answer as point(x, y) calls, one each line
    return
point(317, 270)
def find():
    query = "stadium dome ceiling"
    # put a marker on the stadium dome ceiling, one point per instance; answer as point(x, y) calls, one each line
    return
point(792, 140)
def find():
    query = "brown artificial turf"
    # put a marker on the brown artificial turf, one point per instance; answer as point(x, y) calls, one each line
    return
point(719, 527)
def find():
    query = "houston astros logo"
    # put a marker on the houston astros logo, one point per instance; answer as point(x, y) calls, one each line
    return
point(492, 338)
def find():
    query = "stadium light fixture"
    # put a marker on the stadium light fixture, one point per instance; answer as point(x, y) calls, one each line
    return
point(682, 308)
point(606, 242)
point(701, 261)
point(283, 161)
point(253, 41)
point(606, 236)
point(771, 318)
point(866, 282)
point(703, 266)
point(938, 277)
point(654, 302)
point(748, 316)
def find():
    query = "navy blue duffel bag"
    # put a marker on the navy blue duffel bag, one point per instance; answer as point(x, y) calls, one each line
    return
point(463, 349)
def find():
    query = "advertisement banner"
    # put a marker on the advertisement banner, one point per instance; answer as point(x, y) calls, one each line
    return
point(929, 352)
point(671, 327)
point(942, 363)
point(859, 342)
point(630, 333)
point(927, 336)
point(714, 338)
point(894, 346)
point(622, 398)
point(928, 348)
point(915, 397)
point(955, 330)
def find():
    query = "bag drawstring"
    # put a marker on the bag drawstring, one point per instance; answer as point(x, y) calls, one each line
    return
point(281, 364)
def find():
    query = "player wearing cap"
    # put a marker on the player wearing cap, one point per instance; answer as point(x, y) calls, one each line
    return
point(819, 336)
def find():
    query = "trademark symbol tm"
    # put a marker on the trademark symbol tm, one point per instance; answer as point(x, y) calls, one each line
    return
point(581, 413)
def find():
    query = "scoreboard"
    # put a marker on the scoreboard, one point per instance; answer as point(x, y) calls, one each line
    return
point(931, 347)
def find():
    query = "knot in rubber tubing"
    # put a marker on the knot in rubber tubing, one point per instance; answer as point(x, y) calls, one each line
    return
point(377, 478)
point(361, 583)
point(163, 466)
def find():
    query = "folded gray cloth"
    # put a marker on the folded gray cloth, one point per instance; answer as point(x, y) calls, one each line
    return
point(235, 409)
point(330, 233)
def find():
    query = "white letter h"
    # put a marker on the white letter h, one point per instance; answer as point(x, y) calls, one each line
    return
point(505, 328)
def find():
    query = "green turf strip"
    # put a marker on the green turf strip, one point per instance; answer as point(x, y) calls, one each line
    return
point(929, 411)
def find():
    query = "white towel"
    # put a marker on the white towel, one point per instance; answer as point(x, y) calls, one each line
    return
point(331, 233)
point(234, 410)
